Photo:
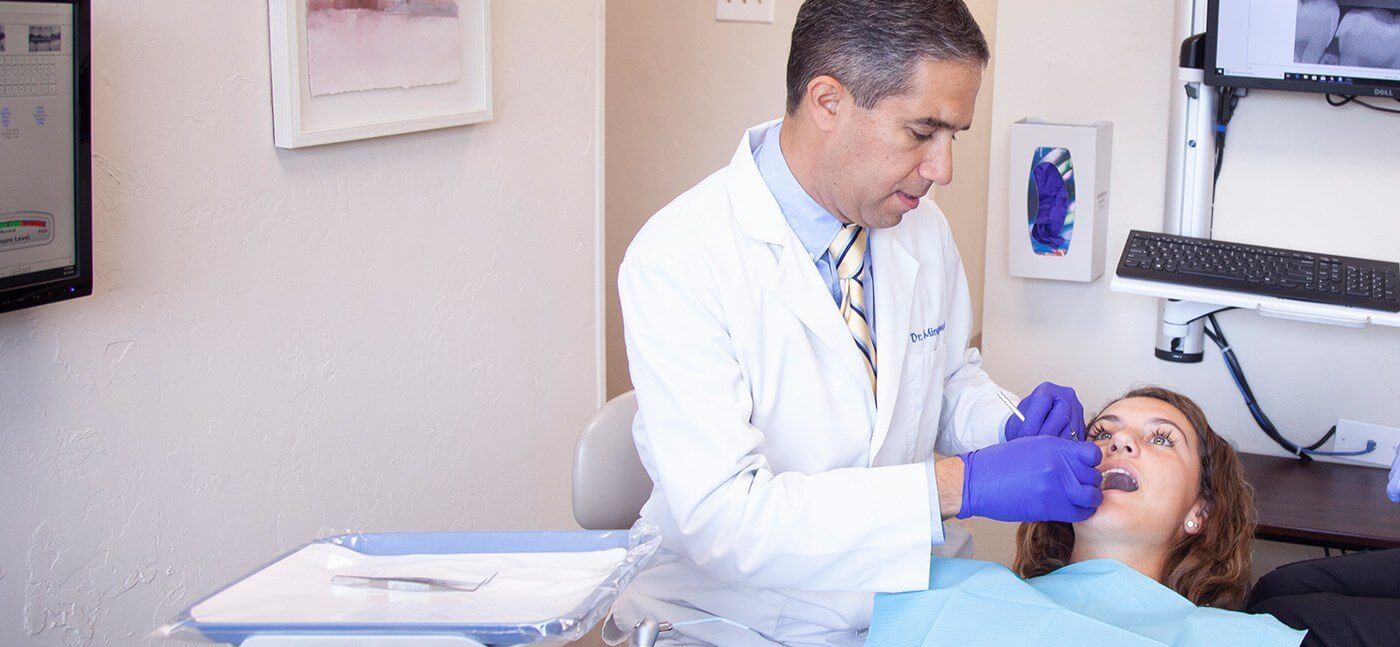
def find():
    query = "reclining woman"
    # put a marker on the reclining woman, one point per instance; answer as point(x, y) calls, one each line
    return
point(1162, 561)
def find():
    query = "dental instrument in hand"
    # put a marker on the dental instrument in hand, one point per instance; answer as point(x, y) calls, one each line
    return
point(424, 584)
point(1036, 409)
point(1010, 405)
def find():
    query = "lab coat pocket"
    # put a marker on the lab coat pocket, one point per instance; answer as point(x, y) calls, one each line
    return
point(918, 398)
point(926, 340)
point(918, 368)
point(921, 386)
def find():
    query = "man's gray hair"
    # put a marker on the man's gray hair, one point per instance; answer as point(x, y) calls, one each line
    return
point(873, 46)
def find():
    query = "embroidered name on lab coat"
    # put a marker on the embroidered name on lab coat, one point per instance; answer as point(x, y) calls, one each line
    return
point(928, 333)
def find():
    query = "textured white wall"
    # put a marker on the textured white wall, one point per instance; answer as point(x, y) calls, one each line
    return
point(389, 334)
point(1298, 173)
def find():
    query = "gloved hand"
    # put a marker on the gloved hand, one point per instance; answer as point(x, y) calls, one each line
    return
point(1040, 478)
point(1050, 410)
point(1393, 490)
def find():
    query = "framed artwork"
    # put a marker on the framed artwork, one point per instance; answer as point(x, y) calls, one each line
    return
point(355, 69)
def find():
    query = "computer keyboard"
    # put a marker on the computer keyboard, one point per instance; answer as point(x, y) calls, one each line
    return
point(1284, 273)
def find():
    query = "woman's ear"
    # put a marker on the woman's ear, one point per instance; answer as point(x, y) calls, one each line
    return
point(1196, 517)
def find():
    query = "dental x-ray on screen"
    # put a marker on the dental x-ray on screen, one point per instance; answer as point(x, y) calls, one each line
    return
point(1342, 47)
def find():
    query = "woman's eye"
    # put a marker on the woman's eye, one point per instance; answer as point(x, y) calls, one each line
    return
point(1160, 438)
point(1099, 434)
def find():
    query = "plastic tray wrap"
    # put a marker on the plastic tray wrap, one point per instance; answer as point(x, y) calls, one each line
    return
point(639, 543)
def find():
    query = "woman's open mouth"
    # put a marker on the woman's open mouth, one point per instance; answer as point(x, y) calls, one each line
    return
point(1117, 478)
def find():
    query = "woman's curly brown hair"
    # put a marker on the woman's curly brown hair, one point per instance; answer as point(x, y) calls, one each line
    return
point(1210, 568)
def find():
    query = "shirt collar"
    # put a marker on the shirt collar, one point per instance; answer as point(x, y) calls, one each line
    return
point(813, 224)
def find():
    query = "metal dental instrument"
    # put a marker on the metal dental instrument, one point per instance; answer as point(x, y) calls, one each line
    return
point(1010, 405)
point(425, 584)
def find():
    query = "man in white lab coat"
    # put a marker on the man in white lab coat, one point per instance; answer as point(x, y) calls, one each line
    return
point(797, 331)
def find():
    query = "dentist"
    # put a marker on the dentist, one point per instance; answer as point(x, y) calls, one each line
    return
point(797, 331)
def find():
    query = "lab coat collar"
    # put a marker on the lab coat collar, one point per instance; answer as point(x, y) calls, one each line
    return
point(754, 205)
point(802, 289)
point(797, 280)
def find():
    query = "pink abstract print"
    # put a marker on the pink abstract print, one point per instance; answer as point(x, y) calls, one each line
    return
point(358, 45)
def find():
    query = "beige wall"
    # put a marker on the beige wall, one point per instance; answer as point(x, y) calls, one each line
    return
point(964, 201)
point(681, 88)
point(394, 334)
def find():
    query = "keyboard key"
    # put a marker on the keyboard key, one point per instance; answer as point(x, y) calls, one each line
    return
point(1214, 274)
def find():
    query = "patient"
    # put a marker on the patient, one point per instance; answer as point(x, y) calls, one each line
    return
point(1176, 507)
point(1158, 564)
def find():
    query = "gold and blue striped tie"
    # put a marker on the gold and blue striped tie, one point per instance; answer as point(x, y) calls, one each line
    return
point(848, 256)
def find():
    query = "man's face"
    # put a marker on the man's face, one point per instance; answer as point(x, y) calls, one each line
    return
point(883, 160)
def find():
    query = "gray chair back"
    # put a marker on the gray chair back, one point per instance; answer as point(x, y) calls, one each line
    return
point(610, 484)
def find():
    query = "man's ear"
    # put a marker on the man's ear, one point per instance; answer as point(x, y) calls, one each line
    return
point(823, 101)
point(1196, 518)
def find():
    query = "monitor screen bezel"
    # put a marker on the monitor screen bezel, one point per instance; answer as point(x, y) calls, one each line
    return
point(80, 283)
point(1368, 88)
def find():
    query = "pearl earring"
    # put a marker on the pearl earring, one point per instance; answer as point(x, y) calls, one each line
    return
point(1191, 524)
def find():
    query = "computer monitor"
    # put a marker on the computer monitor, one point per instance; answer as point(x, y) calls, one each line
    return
point(1343, 47)
point(45, 152)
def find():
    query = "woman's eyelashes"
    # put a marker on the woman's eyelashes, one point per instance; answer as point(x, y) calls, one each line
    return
point(1161, 437)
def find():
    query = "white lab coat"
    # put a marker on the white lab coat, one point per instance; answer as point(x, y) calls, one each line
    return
point(785, 496)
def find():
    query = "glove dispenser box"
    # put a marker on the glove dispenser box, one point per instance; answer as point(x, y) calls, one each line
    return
point(1059, 200)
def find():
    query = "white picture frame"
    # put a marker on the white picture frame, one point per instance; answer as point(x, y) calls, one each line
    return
point(301, 119)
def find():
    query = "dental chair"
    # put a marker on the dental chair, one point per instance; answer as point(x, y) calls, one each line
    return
point(610, 487)
point(610, 484)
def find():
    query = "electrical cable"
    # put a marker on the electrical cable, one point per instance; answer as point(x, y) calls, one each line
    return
point(1224, 112)
point(1323, 441)
point(1351, 98)
point(1232, 364)
point(1261, 419)
point(1222, 309)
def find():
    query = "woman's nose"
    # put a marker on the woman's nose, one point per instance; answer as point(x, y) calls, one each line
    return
point(1122, 442)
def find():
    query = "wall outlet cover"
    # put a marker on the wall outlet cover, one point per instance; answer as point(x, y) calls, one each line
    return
point(1352, 435)
point(744, 10)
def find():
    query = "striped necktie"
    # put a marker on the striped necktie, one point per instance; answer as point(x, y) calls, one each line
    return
point(848, 256)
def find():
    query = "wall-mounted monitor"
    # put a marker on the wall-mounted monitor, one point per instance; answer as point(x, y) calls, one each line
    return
point(45, 152)
point(1343, 47)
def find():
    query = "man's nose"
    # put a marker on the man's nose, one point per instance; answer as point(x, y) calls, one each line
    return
point(937, 167)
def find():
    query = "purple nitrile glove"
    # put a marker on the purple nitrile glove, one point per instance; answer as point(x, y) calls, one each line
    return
point(1052, 206)
point(1393, 490)
point(1050, 410)
point(1039, 478)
